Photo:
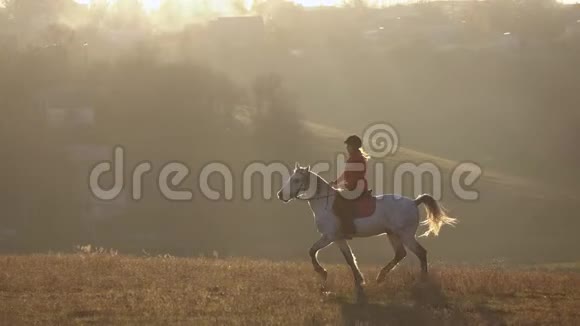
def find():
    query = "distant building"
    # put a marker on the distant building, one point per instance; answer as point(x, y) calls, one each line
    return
point(66, 108)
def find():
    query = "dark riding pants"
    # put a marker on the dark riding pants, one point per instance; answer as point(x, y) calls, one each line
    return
point(345, 210)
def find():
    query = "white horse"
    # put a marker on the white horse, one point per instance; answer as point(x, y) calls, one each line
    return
point(397, 216)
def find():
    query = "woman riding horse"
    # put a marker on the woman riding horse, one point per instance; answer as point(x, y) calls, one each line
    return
point(355, 184)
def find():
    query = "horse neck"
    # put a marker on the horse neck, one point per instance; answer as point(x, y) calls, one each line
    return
point(323, 197)
point(322, 187)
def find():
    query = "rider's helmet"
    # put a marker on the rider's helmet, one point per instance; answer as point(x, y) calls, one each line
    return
point(354, 141)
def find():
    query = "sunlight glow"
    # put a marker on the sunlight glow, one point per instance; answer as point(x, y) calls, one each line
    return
point(150, 6)
point(197, 6)
point(319, 3)
point(229, 7)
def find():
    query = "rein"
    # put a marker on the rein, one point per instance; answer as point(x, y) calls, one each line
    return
point(316, 197)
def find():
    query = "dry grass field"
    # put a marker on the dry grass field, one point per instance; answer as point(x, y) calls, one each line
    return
point(101, 288)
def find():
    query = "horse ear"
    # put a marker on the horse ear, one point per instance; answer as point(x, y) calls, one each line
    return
point(296, 166)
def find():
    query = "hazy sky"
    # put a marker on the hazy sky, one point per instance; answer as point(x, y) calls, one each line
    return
point(226, 6)
point(152, 5)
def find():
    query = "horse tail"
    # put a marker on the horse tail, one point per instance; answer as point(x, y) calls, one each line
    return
point(436, 215)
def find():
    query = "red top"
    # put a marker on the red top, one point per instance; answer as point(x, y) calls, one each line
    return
point(355, 170)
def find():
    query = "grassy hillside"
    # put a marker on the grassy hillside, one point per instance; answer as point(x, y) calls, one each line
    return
point(109, 289)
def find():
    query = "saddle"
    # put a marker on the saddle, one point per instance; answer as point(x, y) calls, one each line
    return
point(363, 206)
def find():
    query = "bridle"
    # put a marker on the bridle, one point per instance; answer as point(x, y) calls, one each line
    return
point(303, 187)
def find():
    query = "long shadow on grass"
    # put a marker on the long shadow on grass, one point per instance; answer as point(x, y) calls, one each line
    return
point(427, 306)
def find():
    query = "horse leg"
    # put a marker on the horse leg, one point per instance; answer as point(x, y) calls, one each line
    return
point(322, 243)
point(412, 244)
point(400, 253)
point(351, 261)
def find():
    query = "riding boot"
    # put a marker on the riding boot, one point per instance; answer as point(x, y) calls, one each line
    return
point(345, 214)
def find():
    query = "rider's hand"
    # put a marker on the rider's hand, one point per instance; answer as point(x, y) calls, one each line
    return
point(333, 183)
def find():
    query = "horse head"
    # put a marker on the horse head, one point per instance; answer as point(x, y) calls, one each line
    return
point(298, 182)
